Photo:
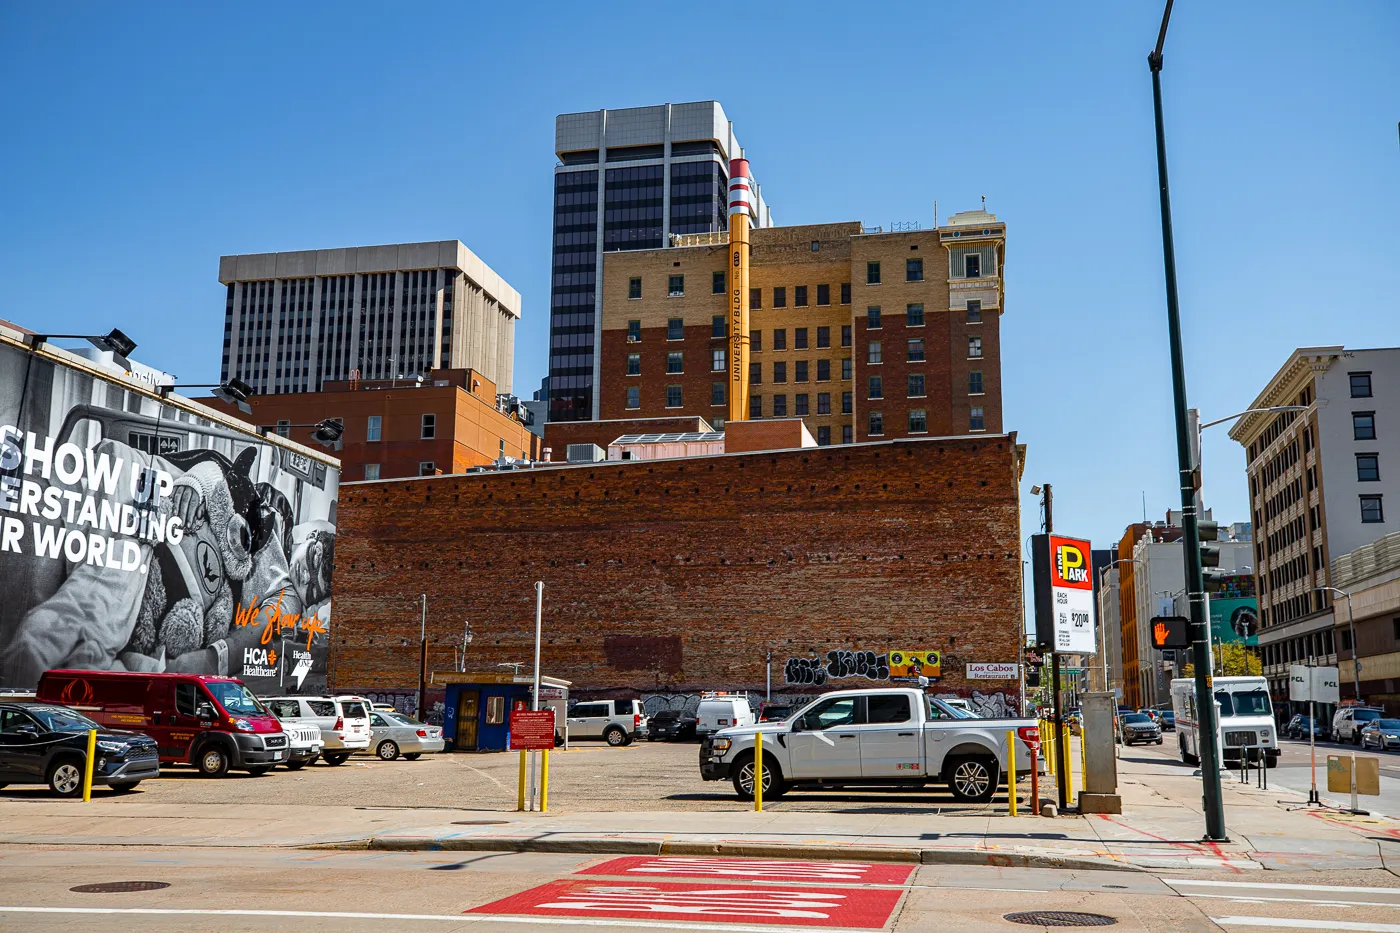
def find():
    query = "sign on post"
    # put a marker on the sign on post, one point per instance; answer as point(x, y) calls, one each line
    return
point(1064, 594)
point(531, 730)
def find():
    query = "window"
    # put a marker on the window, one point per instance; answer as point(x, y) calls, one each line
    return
point(872, 318)
point(717, 283)
point(780, 340)
point(872, 273)
point(675, 329)
point(916, 385)
point(1371, 510)
point(426, 468)
point(974, 382)
point(1360, 385)
point(718, 360)
point(916, 351)
point(918, 421)
point(823, 338)
point(873, 354)
point(799, 371)
point(284, 428)
point(634, 364)
point(847, 400)
point(716, 393)
point(823, 295)
point(799, 296)
point(974, 312)
point(823, 436)
point(913, 270)
point(845, 335)
point(846, 433)
point(186, 699)
point(779, 372)
point(845, 293)
point(373, 428)
point(673, 397)
point(429, 430)
point(755, 299)
point(823, 403)
point(495, 711)
point(634, 397)
point(634, 289)
point(755, 406)
point(675, 361)
point(976, 422)
point(877, 389)
point(755, 374)
point(974, 348)
point(676, 288)
point(780, 297)
point(634, 331)
point(717, 328)
point(972, 265)
point(371, 471)
point(1363, 425)
point(1368, 468)
point(823, 370)
point(799, 338)
point(800, 404)
point(914, 315)
point(877, 423)
point(756, 340)
point(846, 368)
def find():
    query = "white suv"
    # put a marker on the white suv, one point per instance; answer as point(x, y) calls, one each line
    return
point(303, 735)
point(343, 721)
point(616, 722)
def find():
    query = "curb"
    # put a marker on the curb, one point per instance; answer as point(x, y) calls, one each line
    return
point(744, 850)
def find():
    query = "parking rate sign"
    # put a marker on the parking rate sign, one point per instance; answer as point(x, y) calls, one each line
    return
point(1064, 594)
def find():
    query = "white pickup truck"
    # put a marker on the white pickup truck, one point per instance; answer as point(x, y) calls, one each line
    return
point(892, 736)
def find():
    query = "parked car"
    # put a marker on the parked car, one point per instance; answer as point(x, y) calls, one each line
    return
point(213, 723)
point(1167, 720)
point(1299, 725)
point(44, 743)
point(617, 722)
point(303, 735)
point(670, 724)
point(883, 737)
point(1347, 722)
point(720, 711)
point(393, 734)
point(1138, 727)
point(775, 712)
point(344, 726)
point(1382, 733)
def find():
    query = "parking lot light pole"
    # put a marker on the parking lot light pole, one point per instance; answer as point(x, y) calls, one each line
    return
point(1351, 635)
point(423, 657)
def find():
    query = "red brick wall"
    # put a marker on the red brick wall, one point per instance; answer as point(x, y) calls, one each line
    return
point(679, 575)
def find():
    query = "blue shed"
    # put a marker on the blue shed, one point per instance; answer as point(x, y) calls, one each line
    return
point(477, 709)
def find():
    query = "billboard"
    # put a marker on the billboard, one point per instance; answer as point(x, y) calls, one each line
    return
point(1234, 620)
point(148, 535)
point(1064, 594)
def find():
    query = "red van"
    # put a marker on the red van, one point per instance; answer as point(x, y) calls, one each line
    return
point(213, 723)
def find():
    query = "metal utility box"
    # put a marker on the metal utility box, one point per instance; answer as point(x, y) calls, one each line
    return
point(1100, 760)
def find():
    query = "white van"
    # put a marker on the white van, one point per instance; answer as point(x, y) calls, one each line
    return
point(1246, 718)
point(718, 711)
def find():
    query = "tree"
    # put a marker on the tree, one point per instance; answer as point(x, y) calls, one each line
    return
point(1231, 660)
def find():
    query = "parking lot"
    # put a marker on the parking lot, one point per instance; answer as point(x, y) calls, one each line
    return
point(590, 776)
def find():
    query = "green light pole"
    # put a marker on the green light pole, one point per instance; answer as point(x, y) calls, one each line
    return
point(1212, 800)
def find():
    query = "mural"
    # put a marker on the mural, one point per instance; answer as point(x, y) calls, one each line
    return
point(138, 536)
point(900, 666)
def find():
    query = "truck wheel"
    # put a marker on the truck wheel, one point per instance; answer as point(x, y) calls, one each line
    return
point(259, 770)
point(615, 736)
point(973, 779)
point(296, 765)
point(1186, 758)
point(212, 761)
point(1271, 761)
point(336, 759)
point(773, 784)
point(66, 777)
point(387, 750)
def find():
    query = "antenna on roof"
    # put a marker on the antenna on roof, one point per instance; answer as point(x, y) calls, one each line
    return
point(984, 202)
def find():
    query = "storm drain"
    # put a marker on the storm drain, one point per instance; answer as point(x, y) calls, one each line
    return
point(119, 887)
point(1060, 918)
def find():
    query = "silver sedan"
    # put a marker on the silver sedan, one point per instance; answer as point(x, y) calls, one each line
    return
point(394, 734)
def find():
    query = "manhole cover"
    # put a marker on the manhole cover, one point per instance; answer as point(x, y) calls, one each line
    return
point(480, 822)
point(118, 887)
point(1060, 918)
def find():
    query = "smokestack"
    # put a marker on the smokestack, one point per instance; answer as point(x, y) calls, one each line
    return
point(740, 211)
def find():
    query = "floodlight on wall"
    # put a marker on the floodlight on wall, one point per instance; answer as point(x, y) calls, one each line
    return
point(114, 342)
point(234, 392)
point(327, 433)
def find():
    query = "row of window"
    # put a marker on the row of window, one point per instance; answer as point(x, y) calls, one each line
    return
point(719, 285)
point(799, 338)
point(918, 421)
point(374, 428)
point(801, 371)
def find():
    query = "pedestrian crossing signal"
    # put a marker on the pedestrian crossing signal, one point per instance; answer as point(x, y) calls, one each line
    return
point(1170, 632)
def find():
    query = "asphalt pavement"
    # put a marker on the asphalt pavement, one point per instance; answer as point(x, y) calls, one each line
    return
point(1294, 772)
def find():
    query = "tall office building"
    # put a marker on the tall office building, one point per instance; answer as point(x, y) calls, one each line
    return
point(294, 320)
point(656, 172)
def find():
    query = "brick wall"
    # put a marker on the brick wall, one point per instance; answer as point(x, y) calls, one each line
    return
point(679, 575)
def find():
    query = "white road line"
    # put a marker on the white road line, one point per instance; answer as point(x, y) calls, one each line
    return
point(1275, 922)
point(1277, 886)
point(1242, 898)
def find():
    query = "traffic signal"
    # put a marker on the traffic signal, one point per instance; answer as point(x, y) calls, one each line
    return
point(1210, 551)
point(1170, 632)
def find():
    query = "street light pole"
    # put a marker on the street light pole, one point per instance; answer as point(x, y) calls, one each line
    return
point(423, 658)
point(1212, 802)
point(1351, 633)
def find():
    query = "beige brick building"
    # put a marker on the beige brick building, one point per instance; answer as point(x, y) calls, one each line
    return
point(861, 333)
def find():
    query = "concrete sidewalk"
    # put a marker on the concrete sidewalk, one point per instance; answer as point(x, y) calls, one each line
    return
point(1160, 828)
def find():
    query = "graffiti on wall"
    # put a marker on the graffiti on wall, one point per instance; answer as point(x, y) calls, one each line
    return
point(987, 705)
point(900, 665)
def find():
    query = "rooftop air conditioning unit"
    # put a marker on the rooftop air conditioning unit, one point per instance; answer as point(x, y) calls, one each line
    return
point(585, 453)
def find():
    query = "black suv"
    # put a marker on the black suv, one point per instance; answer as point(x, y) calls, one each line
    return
point(670, 724)
point(44, 743)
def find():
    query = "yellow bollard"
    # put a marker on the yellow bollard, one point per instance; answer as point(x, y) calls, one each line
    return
point(544, 782)
point(1011, 788)
point(758, 771)
point(520, 783)
point(1069, 768)
point(1050, 757)
point(87, 769)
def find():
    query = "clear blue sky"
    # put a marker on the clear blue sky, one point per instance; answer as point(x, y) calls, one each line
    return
point(143, 141)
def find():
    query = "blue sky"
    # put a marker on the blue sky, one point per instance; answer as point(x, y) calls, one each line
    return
point(142, 143)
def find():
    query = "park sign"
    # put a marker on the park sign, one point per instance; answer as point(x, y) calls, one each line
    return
point(1064, 594)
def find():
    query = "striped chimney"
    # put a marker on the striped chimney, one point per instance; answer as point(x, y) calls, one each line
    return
point(740, 188)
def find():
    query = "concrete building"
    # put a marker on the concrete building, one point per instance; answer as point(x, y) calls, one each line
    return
point(451, 421)
point(1318, 484)
point(1371, 574)
point(861, 333)
point(656, 172)
point(1111, 625)
point(294, 320)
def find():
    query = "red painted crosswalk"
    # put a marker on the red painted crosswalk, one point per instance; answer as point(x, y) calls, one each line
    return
point(751, 869)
